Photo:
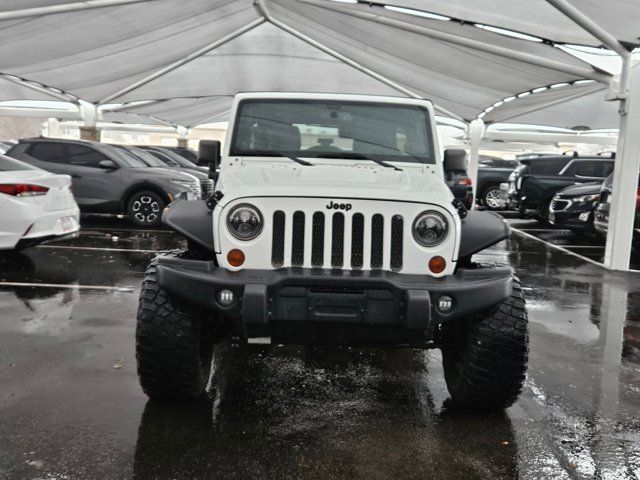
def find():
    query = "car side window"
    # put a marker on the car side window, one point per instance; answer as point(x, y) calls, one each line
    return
point(47, 152)
point(594, 169)
point(85, 156)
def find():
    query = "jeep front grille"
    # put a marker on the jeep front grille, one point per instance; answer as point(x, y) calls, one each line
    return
point(363, 235)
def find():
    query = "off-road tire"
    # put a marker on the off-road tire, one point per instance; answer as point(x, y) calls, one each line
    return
point(485, 356)
point(145, 207)
point(173, 350)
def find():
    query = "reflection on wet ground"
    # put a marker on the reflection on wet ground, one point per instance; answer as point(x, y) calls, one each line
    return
point(591, 246)
point(70, 405)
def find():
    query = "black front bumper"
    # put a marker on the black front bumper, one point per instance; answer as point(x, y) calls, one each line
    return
point(315, 296)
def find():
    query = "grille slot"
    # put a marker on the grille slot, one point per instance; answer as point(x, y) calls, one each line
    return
point(317, 240)
point(377, 241)
point(397, 224)
point(297, 240)
point(337, 240)
point(357, 241)
point(277, 240)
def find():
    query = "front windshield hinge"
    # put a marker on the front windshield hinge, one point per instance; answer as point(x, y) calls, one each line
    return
point(459, 206)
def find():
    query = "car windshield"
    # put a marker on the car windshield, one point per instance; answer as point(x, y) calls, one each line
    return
point(324, 128)
point(125, 158)
point(146, 157)
point(179, 159)
point(8, 164)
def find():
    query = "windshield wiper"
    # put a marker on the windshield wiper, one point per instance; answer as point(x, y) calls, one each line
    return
point(358, 156)
point(275, 153)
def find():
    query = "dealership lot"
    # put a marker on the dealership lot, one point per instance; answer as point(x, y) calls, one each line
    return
point(71, 406)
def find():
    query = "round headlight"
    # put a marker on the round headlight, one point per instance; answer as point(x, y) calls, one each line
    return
point(430, 228)
point(244, 222)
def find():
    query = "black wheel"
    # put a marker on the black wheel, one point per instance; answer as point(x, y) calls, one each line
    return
point(145, 208)
point(174, 352)
point(492, 198)
point(485, 356)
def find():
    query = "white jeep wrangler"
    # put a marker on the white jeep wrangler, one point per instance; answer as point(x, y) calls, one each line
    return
point(331, 223)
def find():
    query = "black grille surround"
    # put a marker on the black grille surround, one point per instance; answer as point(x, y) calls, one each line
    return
point(559, 204)
point(381, 232)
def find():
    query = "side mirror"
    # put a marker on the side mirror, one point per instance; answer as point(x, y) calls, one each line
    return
point(455, 159)
point(108, 164)
point(209, 154)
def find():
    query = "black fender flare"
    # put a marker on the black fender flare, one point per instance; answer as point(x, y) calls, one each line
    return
point(193, 220)
point(480, 230)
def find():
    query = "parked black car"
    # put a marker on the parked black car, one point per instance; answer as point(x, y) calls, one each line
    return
point(533, 184)
point(106, 180)
point(573, 207)
point(601, 221)
point(456, 176)
point(151, 160)
point(491, 173)
point(460, 184)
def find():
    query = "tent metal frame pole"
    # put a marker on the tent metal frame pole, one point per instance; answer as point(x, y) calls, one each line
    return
point(129, 106)
point(625, 180)
point(329, 51)
point(606, 38)
point(546, 137)
point(579, 71)
point(64, 8)
point(590, 26)
point(617, 255)
point(169, 68)
point(38, 88)
point(476, 133)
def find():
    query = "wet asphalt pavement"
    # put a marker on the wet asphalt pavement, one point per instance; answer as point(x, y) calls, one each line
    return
point(71, 407)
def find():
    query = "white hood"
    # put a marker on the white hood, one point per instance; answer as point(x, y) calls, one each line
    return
point(331, 179)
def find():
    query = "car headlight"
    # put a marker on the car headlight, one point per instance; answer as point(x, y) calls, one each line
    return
point(184, 183)
point(430, 228)
point(588, 198)
point(244, 222)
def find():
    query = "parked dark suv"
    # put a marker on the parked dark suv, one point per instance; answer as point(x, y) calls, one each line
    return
point(106, 180)
point(533, 184)
point(601, 221)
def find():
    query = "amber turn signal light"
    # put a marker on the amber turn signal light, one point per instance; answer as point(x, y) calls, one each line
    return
point(437, 264)
point(235, 257)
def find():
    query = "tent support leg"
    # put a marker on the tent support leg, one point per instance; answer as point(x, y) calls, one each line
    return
point(89, 114)
point(183, 137)
point(476, 132)
point(625, 179)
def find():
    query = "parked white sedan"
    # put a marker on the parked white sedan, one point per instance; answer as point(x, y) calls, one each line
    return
point(35, 205)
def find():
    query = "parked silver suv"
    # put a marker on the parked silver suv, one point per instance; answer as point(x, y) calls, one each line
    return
point(107, 180)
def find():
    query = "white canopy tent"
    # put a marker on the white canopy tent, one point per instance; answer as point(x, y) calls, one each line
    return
point(182, 61)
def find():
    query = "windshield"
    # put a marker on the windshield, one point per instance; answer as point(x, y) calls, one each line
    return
point(179, 159)
point(146, 157)
point(124, 158)
point(8, 164)
point(320, 128)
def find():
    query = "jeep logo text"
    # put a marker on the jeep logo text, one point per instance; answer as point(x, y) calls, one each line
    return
point(338, 206)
